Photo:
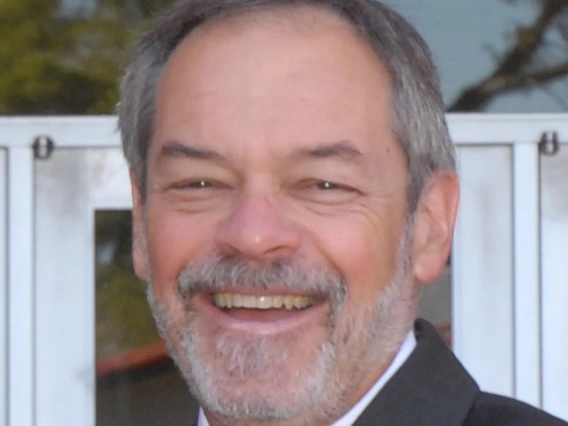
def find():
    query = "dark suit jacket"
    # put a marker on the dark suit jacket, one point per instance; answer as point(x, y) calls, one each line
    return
point(432, 388)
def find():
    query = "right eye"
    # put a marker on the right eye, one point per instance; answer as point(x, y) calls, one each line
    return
point(196, 184)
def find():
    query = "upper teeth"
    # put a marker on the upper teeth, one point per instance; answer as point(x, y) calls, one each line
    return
point(230, 300)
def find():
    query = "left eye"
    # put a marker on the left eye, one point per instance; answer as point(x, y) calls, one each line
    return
point(321, 191)
point(321, 186)
point(327, 185)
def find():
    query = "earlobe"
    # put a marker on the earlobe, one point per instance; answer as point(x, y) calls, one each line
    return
point(139, 246)
point(434, 226)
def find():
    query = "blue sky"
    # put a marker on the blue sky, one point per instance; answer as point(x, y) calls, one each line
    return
point(466, 35)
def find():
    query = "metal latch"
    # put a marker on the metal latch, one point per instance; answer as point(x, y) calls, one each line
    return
point(43, 147)
point(549, 144)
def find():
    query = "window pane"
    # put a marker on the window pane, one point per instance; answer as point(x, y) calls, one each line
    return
point(137, 384)
point(554, 227)
point(3, 280)
point(436, 303)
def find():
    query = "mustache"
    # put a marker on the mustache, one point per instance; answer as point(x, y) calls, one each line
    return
point(231, 273)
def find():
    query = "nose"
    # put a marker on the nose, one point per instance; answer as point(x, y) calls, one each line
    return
point(256, 229)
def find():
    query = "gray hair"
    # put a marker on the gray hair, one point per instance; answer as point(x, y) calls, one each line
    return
point(418, 111)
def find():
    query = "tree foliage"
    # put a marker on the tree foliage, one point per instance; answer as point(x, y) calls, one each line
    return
point(58, 60)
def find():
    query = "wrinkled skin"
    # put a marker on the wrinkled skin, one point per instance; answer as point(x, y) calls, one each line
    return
point(287, 151)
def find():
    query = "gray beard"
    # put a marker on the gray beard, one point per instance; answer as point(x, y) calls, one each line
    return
point(319, 393)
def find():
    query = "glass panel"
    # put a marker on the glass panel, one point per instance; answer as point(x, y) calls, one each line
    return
point(3, 285)
point(554, 225)
point(123, 320)
point(436, 304)
point(483, 292)
point(63, 290)
point(137, 384)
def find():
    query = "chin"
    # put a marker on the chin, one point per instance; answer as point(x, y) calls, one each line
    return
point(262, 378)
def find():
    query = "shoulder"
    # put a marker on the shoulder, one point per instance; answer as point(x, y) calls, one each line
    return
point(495, 410)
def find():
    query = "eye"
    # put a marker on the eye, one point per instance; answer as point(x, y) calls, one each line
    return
point(198, 184)
point(323, 185)
point(326, 185)
point(325, 190)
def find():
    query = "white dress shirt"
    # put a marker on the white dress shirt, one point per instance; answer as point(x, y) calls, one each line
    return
point(353, 414)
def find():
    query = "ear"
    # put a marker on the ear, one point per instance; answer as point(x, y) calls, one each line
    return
point(139, 245)
point(434, 222)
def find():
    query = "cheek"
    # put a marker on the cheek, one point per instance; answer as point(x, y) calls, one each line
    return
point(174, 239)
point(363, 251)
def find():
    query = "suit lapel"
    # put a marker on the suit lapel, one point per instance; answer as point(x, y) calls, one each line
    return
point(430, 389)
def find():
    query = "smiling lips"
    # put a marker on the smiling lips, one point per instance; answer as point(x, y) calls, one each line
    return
point(232, 300)
point(265, 314)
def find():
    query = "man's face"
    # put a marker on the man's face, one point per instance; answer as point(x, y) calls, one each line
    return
point(275, 215)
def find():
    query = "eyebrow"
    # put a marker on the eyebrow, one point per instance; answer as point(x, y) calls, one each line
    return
point(344, 150)
point(178, 149)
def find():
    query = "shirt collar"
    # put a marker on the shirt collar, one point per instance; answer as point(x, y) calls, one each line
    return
point(351, 416)
point(401, 356)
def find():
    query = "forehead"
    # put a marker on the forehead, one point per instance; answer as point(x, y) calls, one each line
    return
point(277, 66)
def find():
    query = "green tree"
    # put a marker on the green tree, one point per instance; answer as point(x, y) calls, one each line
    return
point(58, 61)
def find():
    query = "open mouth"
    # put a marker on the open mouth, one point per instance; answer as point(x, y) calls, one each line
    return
point(262, 314)
point(227, 301)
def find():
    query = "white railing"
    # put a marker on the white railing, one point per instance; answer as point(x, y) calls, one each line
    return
point(507, 277)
